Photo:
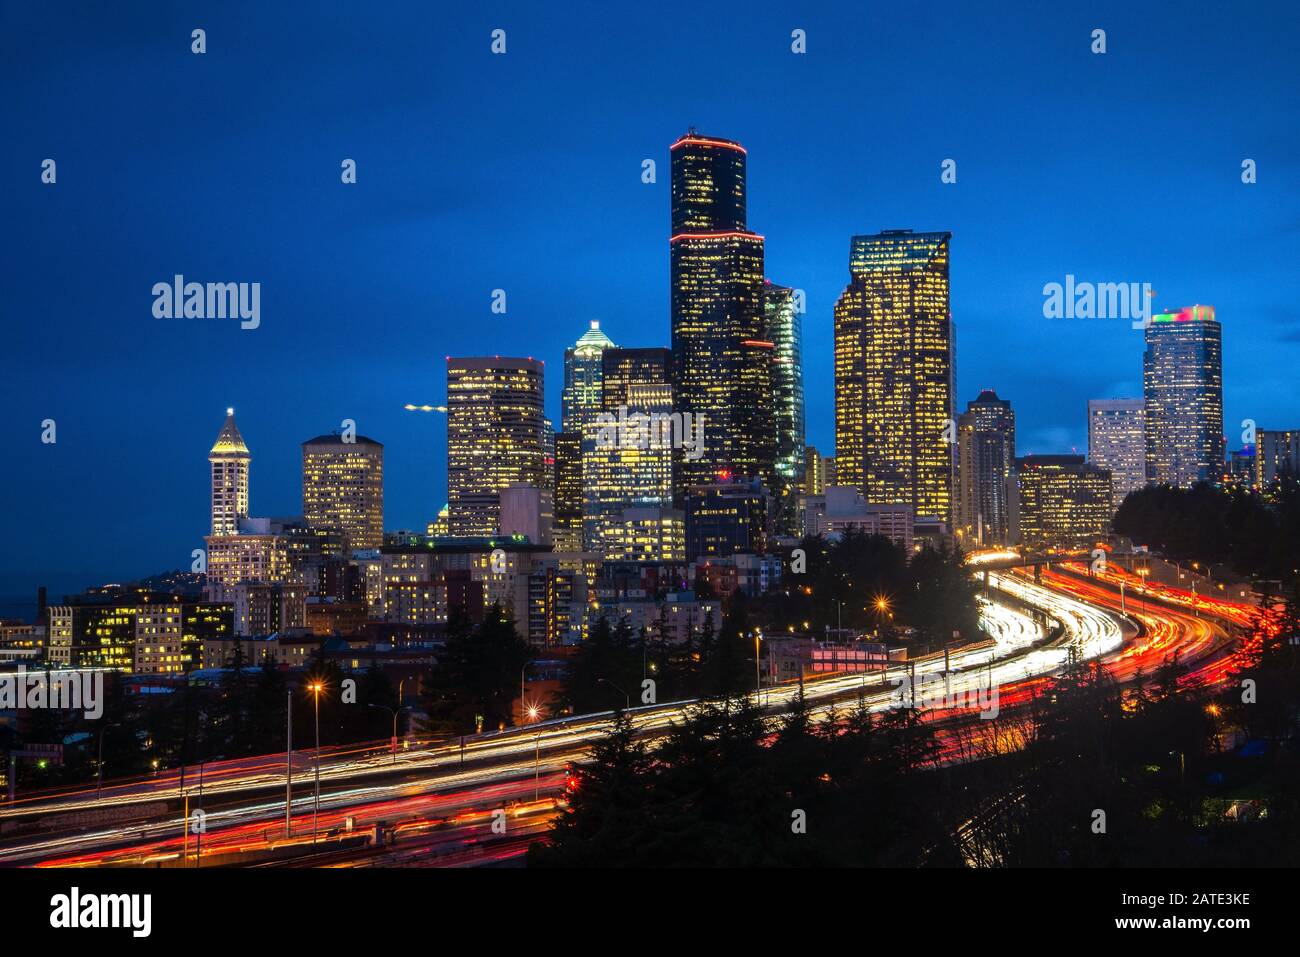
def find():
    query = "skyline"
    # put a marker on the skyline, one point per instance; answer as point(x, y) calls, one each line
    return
point(374, 352)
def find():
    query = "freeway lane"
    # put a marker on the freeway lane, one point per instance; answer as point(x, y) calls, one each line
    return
point(357, 780)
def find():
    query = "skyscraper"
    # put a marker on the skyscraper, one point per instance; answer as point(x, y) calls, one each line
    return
point(494, 437)
point(625, 367)
point(1063, 500)
point(783, 328)
point(1117, 441)
point(721, 360)
point(1277, 454)
point(343, 488)
point(230, 465)
point(583, 374)
point(1182, 372)
point(568, 492)
point(986, 468)
point(893, 372)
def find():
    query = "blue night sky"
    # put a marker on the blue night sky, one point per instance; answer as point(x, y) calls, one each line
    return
point(523, 172)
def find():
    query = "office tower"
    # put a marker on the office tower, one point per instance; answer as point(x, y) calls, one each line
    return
point(830, 476)
point(986, 463)
point(814, 480)
point(1182, 372)
point(567, 532)
point(893, 372)
point(1064, 501)
point(727, 518)
point(1277, 454)
point(230, 465)
point(1117, 441)
point(627, 463)
point(1239, 474)
point(528, 511)
point(721, 361)
point(583, 375)
point(548, 455)
point(624, 367)
point(343, 488)
point(494, 437)
point(782, 327)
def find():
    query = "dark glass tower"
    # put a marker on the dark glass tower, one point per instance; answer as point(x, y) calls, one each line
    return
point(721, 359)
point(1183, 377)
point(986, 469)
point(784, 331)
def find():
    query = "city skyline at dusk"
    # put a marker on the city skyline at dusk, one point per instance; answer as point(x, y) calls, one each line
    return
point(367, 287)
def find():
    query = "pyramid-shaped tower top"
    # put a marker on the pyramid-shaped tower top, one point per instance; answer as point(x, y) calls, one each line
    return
point(593, 340)
point(229, 441)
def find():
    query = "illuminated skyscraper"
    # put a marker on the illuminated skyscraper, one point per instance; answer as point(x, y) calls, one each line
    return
point(721, 360)
point(1183, 382)
point(494, 437)
point(783, 328)
point(568, 492)
point(627, 463)
point(893, 372)
point(1117, 441)
point(625, 367)
point(1063, 500)
point(1277, 455)
point(986, 468)
point(583, 375)
point(343, 488)
point(230, 464)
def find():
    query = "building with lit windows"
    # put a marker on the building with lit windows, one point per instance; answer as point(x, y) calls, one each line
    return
point(132, 631)
point(494, 437)
point(894, 372)
point(230, 460)
point(986, 470)
point(343, 488)
point(582, 397)
point(1064, 501)
point(647, 534)
point(567, 530)
point(1182, 373)
point(814, 475)
point(1277, 454)
point(627, 463)
point(727, 517)
point(1117, 442)
point(721, 359)
point(783, 328)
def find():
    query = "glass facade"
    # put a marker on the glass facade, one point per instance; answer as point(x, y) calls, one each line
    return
point(1182, 372)
point(986, 461)
point(494, 437)
point(343, 488)
point(721, 360)
point(1117, 442)
point(783, 328)
point(893, 373)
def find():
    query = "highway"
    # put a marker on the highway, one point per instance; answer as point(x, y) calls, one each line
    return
point(437, 798)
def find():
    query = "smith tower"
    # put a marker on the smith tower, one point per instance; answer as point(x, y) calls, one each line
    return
point(721, 359)
point(230, 459)
point(893, 372)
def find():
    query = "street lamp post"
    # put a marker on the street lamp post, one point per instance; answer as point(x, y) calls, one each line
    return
point(627, 697)
point(288, 764)
point(316, 688)
point(394, 712)
point(99, 763)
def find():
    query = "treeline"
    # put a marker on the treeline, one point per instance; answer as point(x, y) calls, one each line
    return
point(1254, 534)
point(864, 581)
point(1086, 774)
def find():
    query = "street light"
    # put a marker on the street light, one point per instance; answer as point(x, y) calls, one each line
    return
point(316, 687)
point(627, 697)
point(394, 712)
point(99, 784)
